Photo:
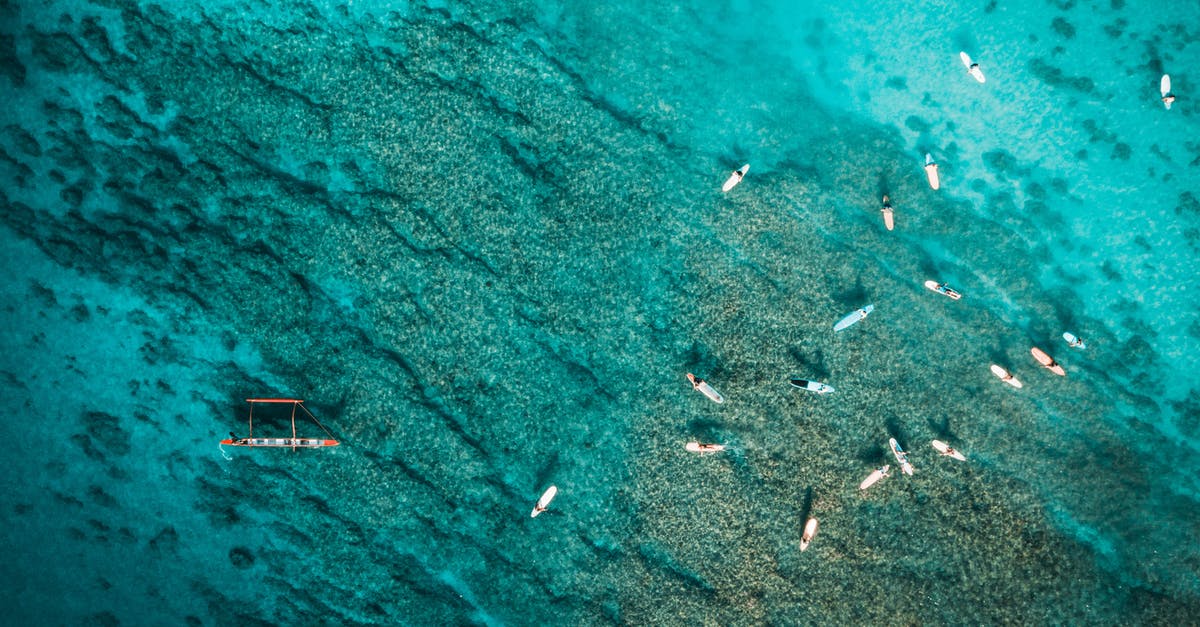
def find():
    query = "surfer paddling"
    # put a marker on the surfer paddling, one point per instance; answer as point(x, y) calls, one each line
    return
point(888, 219)
point(699, 447)
point(1164, 88)
point(735, 178)
point(702, 386)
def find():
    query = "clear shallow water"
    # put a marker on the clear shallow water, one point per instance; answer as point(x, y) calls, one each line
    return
point(487, 242)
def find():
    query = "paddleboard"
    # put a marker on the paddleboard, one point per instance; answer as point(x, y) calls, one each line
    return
point(888, 220)
point(810, 530)
point(704, 388)
point(931, 171)
point(972, 68)
point(1047, 361)
point(812, 386)
point(697, 447)
point(1005, 376)
point(943, 289)
point(1164, 88)
point(901, 457)
point(735, 178)
point(948, 451)
point(544, 502)
point(874, 477)
point(853, 317)
point(1074, 341)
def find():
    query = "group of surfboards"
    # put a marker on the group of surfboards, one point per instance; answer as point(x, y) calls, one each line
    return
point(943, 449)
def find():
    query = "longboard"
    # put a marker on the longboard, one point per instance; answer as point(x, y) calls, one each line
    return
point(544, 502)
point(972, 68)
point(888, 219)
point(1164, 88)
point(853, 317)
point(702, 386)
point(810, 530)
point(901, 457)
point(931, 171)
point(697, 447)
point(942, 288)
point(1005, 376)
point(1048, 361)
point(1073, 341)
point(874, 477)
point(812, 386)
point(948, 451)
point(735, 178)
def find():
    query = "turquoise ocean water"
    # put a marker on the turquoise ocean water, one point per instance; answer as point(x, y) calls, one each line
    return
point(486, 241)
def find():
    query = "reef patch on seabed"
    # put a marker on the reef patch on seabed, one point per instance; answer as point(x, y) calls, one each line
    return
point(439, 225)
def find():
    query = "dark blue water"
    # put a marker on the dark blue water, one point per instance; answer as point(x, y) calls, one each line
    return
point(486, 242)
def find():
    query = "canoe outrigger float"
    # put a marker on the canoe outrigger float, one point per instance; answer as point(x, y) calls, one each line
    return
point(293, 442)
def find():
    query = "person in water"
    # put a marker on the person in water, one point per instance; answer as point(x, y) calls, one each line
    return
point(887, 204)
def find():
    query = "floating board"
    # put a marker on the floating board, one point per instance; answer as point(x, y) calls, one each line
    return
point(1164, 88)
point(1005, 376)
point(1074, 341)
point(735, 178)
point(948, 451)
point(874, 477)
point(931, 171)
point(888, 219)
point(901, 457)
point(972, 68)
point(704, 388)
point(810, 530)
point(853, 317)
point(697, 447)
point(943, 289)
point(812, 386)
point(544, 502)
point(1047, 361)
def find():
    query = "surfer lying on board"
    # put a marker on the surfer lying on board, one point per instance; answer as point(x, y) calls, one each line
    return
point(1168, 99)
point(1076, 342)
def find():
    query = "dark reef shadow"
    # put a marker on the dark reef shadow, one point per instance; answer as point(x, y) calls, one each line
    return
point(546, 472)
point(965, 41)
point(872, 454)
point(806, 504)
point(882, 187)
point(941, 427)
point(705, 430)
point(894, 430)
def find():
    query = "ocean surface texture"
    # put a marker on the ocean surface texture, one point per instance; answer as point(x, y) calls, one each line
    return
point(486, 241)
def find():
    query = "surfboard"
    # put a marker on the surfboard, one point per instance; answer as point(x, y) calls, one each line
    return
point(812, 386)
point(1047, 361)
point(942, 288)
point(697, 447)
point(1074, 341)
point(1005, 376)
point(853, 317)
point(702, 386)
point(810, 530)
point(874, 477)
point(948, 451)
point(931, 171)
point(888, 220)
point(1164, 88)
point(972, 68)
point(735, 178)
point(544, 502)
point(901, 456)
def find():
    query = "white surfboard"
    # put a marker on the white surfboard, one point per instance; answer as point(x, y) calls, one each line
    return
point(702, 386)
point(697, 447)
point(901, 456)
point(948, 451)
point(942, 288)
point(1048, 361)
point(810, 530)
point(888, 219)
point(812, 386)
point(1005, 376)
point(1073, 341)
point(931, 172)
point(544, 502)
point(735, 178)
point(874, 477)
point(972, 68)
point(853, 317)
point(1164, 88)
